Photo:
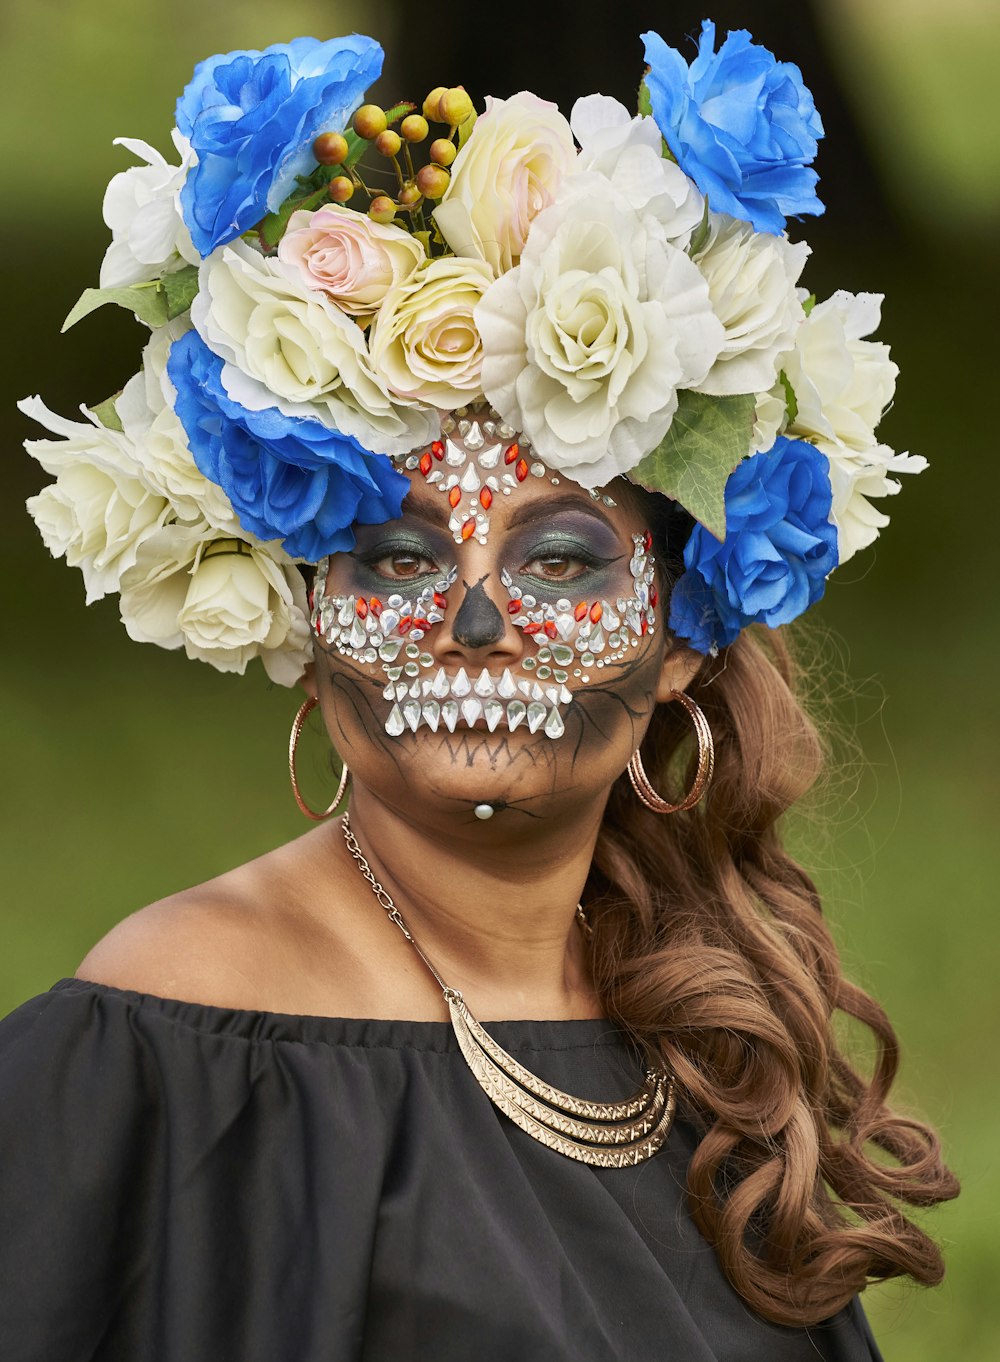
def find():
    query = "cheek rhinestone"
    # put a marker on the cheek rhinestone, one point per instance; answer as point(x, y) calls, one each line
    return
point(528, 664)
point(544, 673)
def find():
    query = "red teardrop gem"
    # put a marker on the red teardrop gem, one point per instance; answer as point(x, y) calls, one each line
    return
point(513, 607)
point(596, 611)
point(511, 453)
point(521, 471)
point(580, 610)
point(486, 498)
point(645, 624)
point(361, 609)
point(455, 496)
point(440, 601)
point(420, 623)
point(532, 628)
point(647, 540)
point(469, 528)
point(405, 624)
point(375, 606)
point(437, 449)
point(425, 464)
point(550, 628)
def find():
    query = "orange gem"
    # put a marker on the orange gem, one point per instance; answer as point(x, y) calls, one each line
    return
point(405, 624)
point(486, 498)
point(437, 449)
point(580, 610)
point(645, 624)
point(532, 628)
point(513, 607)
point(521, 471)
point(455, 496)
point(440, 601)
point(361, 609)
point(596, 611)
point(511, 453)
point(469, 528)
point(425, 464)
point(420, 623)
point(550, 628)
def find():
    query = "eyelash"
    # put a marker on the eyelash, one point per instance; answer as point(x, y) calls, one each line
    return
point(565, 554)
point(376, 558)
point(383, 554)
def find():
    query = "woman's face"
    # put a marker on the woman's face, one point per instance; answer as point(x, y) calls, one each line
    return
point(500, 643)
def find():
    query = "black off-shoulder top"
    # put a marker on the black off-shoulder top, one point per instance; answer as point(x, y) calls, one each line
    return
point(185, 1183)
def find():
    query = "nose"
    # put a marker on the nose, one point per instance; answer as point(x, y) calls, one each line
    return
point(478, 623)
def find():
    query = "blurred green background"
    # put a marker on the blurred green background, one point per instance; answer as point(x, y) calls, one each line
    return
point(129, 772)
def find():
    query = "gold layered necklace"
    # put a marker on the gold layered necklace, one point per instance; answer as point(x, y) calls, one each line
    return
point(605, 1134)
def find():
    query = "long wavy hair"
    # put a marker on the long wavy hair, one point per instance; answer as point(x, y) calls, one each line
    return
point(709, 945)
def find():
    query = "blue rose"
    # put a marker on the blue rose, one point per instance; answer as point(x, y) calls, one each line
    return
point(741, 125)
point(252, 118)
point(288, 477)
point(778, 551)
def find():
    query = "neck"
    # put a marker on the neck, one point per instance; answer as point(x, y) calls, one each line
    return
point(492, 907)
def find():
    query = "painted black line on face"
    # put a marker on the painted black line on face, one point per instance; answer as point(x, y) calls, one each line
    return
point(478, 623)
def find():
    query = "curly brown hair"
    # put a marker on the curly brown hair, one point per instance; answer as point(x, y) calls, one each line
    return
point(710, 946)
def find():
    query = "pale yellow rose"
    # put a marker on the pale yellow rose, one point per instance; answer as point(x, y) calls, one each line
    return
point(425, 340)
point(507, 172)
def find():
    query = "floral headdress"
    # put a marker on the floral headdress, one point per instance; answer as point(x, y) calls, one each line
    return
point(618, 288)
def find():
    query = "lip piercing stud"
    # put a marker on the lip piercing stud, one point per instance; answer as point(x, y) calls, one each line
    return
point(483, 811)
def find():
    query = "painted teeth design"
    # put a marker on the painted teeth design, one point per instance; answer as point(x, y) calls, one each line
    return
point(450, 700)
point(461, 684)
point(484, 686)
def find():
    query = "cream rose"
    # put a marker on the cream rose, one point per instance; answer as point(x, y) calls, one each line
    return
point(769, 418)
point(100, 509)
point(287, 346)
point(224, 600)
point(142, 208)
point(507, 172)
point(587, 341)
point(425, 338)
point(628, 152)
point(347, 256)
point(145, 408)
point(855, 477)
point(751, 279)
point(842, 383)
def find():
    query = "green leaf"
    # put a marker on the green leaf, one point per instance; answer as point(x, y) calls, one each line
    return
point(272, 228)
point(809, 304)
point(180, 288)
point(644, 107)
point(147, 301)
point(791, 401)
point(707, 439)
point(700, 235)
point(107, 413)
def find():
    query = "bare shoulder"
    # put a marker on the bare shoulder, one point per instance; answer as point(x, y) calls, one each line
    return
point(243, 940)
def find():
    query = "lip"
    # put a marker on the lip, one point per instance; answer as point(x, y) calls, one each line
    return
point(452, 700)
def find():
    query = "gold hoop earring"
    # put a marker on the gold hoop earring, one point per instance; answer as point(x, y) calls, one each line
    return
point(703, 775)
point(305, 709)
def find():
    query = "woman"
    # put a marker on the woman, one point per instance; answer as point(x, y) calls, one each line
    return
point(264, 1120)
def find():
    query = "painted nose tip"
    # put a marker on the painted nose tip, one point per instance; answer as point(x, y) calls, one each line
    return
point(478, 624)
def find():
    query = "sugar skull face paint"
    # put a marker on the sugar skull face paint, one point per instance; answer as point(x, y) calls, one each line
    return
point(579, 595)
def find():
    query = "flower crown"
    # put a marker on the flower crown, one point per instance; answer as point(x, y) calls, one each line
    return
point(620, 289)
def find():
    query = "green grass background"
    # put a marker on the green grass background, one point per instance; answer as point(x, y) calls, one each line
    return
point(129, 772)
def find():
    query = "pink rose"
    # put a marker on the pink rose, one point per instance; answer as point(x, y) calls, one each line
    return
point(350, 258)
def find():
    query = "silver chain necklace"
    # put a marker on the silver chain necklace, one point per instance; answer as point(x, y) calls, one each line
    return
point(605, 1134)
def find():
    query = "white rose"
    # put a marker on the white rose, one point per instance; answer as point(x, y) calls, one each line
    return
point(287, 346)
point(100, 509)
point(142, 208)
point(587, 341)
point(855, 476)
point(842, 384)
point(629, 153)
point(224, 600)
point(751, 279)
point(145, 407)
point(507, 172)
point(769, 418)
point(424, 338)
point(347, 256)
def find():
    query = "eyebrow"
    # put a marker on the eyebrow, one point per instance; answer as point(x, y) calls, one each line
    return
point(543, 508)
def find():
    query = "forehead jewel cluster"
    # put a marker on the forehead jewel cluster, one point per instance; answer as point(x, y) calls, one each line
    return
point(324, 279)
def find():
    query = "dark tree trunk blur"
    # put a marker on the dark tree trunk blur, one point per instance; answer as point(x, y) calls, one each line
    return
point(561, 50)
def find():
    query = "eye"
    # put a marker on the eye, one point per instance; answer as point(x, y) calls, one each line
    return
point(401, 565)
point(558, 567)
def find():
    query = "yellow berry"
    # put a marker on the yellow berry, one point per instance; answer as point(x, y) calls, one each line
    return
point(443, 152)
point(382, 209)
point(330, 149)
point(432, 101)
point(340, 189)
point(414, 128)
point(433, 181)
point(369, 121)
point(455, 106)
point(388, 142)
point(409, 195)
